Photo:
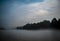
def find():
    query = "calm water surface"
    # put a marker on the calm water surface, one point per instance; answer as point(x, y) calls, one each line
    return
point(30, 35)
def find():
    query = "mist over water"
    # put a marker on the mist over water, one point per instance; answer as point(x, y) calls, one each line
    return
point(20, 12)
point(30, 35)
point(30, 20)
point(33, 35)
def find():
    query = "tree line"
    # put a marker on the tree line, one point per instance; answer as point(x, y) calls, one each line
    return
point(46, 24)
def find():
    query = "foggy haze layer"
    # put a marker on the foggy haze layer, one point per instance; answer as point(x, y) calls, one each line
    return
point(17, 13)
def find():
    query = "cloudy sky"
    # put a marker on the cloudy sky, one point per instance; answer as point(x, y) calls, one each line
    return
point(19, 12)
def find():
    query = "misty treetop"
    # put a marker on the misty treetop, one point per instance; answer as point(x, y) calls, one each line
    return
point(46, 24)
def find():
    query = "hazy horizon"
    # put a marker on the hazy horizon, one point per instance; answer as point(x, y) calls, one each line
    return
point(19, 12)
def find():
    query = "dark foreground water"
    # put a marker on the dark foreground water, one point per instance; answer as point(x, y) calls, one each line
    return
point(27, 35)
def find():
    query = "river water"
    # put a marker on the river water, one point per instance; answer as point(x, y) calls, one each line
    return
point(30, 35)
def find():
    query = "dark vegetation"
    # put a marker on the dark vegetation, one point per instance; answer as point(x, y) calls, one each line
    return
point(46, 24)
point(54, 24)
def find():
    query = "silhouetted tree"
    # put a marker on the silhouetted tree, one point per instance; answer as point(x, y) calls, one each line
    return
point(58, 24)
point(42, 25)
point(54, 23)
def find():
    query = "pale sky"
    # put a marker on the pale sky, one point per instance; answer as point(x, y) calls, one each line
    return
point(19, 12)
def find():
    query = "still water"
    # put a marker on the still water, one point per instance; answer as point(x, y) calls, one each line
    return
point(30, 35)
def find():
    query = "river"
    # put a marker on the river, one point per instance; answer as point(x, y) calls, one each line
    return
point(30, 35)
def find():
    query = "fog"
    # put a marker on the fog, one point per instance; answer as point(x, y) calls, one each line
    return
point(20, 12)
point(30, 35)
point(17, 13)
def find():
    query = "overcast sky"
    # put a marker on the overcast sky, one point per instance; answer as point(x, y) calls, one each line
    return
point(19, 12)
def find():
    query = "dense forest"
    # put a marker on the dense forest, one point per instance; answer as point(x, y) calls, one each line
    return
point(46, 24)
